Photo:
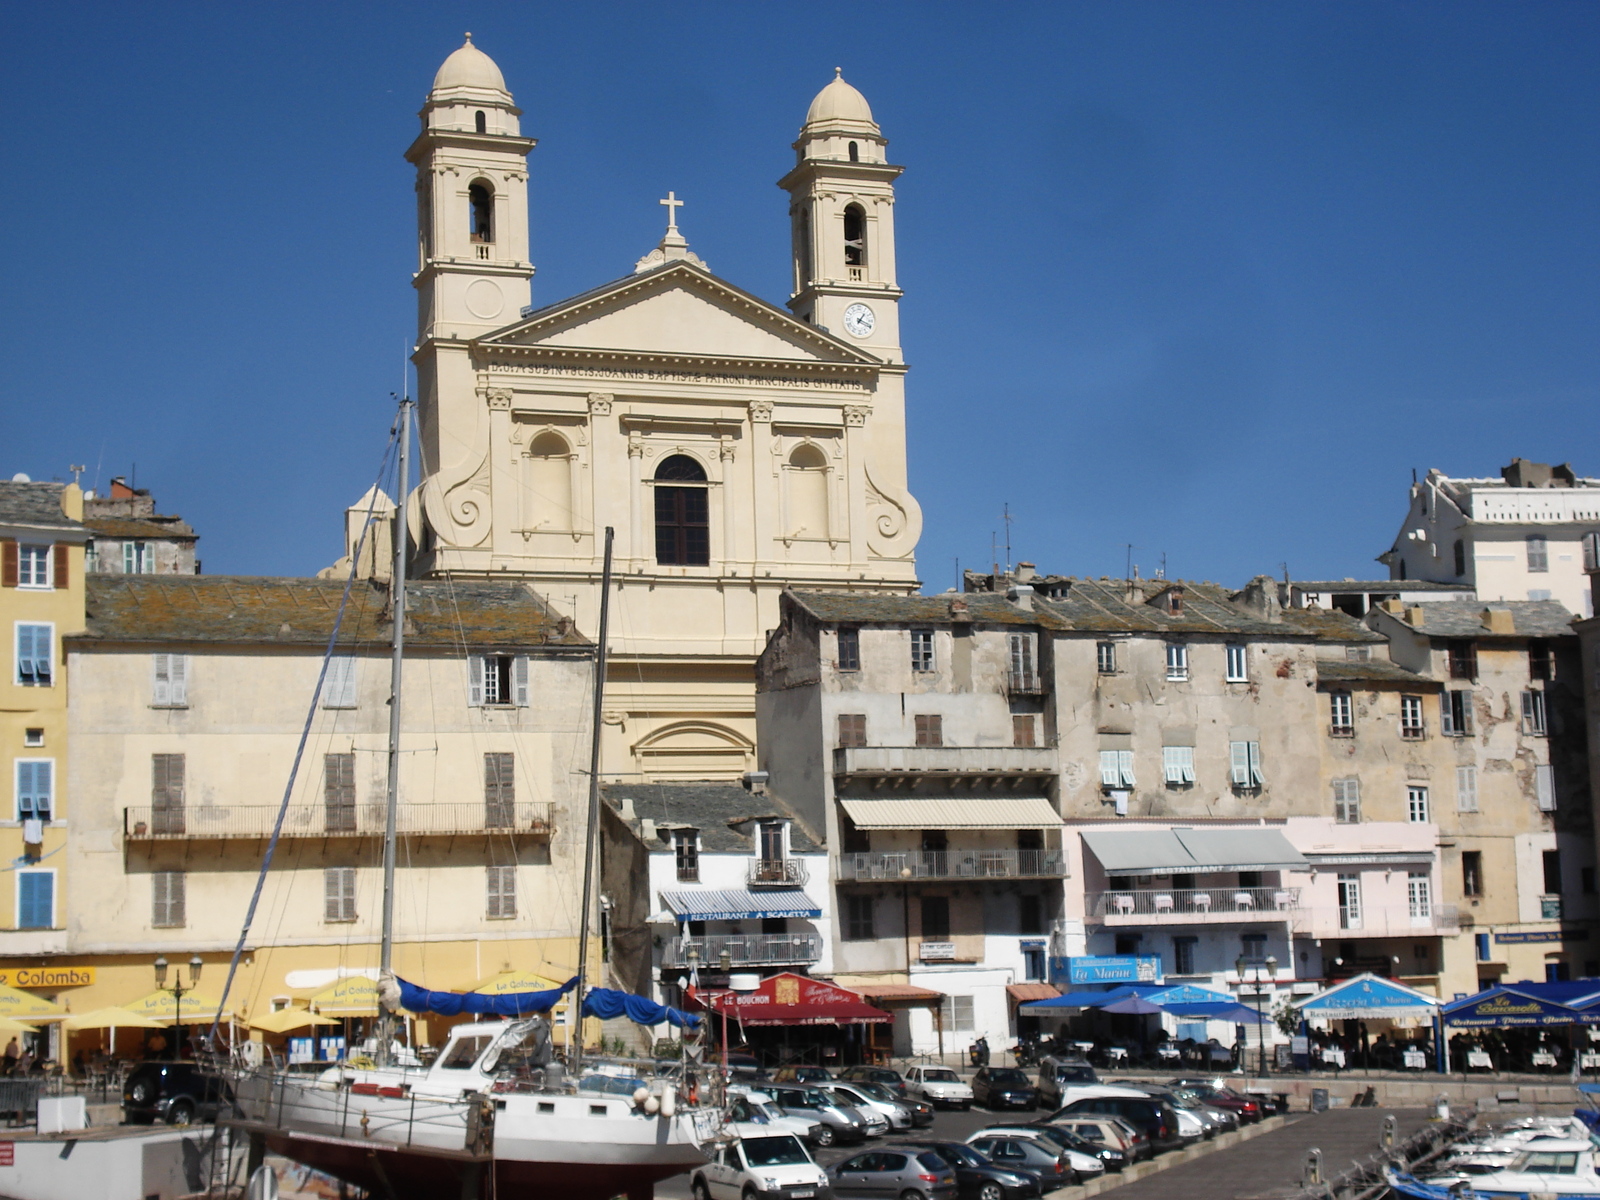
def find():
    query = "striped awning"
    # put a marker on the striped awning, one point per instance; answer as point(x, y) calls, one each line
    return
point(1011, 812)
point(738, 904)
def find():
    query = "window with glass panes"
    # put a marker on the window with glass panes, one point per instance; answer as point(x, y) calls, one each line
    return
point(1238, 664)
point(1455, 713)
point(1417, 804)
point(922, 649)
point(1533, 713)
point(1419, 896)
point(1183, 955)
point(1341, 712)
point(1023, 647)
point(1347, 801)
point(1411, 719)
point(1105, 654)
point(858, 924)
point(849, 650)
point(1177, 660)
point(686, 853)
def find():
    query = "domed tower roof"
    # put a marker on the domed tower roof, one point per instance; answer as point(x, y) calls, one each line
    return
point(470, 67)
point(840, 102)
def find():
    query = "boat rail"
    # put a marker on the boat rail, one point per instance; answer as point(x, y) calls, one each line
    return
point(280, 1100)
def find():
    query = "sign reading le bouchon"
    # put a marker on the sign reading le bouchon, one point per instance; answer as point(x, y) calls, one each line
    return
point(46, 977)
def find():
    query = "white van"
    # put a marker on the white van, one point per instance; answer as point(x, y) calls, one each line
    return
point(763, 1161)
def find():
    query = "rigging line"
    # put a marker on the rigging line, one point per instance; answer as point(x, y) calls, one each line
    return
point(311, 716)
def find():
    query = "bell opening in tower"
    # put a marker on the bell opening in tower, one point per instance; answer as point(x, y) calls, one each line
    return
point(855, 239)
point(481, 199)
point(480, 122)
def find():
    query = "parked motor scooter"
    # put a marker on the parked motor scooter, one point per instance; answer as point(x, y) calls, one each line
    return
point(978, 1052)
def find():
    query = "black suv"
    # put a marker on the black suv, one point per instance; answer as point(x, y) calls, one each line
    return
point(178, 1093)
point(1003, 1087)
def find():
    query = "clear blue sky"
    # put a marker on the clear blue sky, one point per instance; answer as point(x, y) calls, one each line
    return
point(1208, 278)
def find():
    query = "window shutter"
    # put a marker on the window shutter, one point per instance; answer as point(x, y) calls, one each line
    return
point(178, 669)
point(58, 576)
point(519, 676)
point(161, 686)
point(339, 691)
point(1125, 767)
point(8, 563)
point(475, 680)
point(37, 895)
point(1255, 764)
point(1545, 784)
point(1188, 763)
point(1239, 756)
point(1171, 766)
point(332, 889)
point(1110, 775)
point(1467, 789)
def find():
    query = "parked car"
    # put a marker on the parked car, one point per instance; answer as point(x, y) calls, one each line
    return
point(1096, 1129)
point(757, 1108)
point(802, 1074)
point(760, 1162)
point(1248, 1108)
point(1058, 1071)
point(978, 1177)
point(1196, 1122)
point(1154, 1117)
point(1003, 1087)
point(812, 1104)
point(870, 1098)
point(1086, 1163)
point(179, 1093)
point(1035, 1155)
point(885, 1077)
point(939, 1086)
point(895, 1171)
point(1111, 1158)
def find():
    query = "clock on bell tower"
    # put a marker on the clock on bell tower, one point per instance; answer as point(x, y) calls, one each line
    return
point(842, 215)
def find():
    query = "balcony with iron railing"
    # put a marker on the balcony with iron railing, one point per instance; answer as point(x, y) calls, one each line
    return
point(744, 949)
point(776, 873)
point(886, 866)
point(1191, 906)
point(219, 822)
point(983, 761)
point(1376, 921)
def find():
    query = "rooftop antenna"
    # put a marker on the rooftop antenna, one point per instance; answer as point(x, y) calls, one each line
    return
point(1285, 567)
point(77, 471)
point(1005, 516)
point(959, 580)
point(994, 560)
point(1161, 572)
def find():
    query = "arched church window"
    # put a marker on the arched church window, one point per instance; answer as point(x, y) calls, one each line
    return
point(855, 236)
point(855, 152)
point(808, 492)
point(481, 122)
point(482, 201)
point(683, 513)
point(550, 482)
point(802, 249)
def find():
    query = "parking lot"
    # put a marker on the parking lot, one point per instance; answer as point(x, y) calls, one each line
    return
point(947, 1126)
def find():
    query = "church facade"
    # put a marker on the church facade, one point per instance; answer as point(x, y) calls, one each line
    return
point(736, 447)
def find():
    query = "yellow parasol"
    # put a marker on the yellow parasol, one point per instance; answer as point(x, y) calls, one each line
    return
point(111, 1018)
point(286, 1019)
point(23, 1006)
point(197, 1008)
point(353, 996)
point(7, 1025)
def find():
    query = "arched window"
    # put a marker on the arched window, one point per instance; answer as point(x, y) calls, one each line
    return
point(549, 482)
point(808, 492)
point(855, 236)
point(855, 152)
point(802, 249)
point(683, 523)
point(481, 123)
point(482, 201)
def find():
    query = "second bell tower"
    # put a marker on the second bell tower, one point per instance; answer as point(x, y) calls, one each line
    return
point(842, 216)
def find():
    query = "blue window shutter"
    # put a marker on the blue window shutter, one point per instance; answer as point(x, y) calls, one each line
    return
point(36, 899)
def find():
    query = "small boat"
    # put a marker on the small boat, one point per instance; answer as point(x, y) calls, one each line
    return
point(1547, 1167)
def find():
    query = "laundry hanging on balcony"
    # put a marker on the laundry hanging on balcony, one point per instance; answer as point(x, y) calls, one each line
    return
point(736, 904)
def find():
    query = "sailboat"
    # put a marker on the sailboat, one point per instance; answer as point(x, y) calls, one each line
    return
point(494, 1112)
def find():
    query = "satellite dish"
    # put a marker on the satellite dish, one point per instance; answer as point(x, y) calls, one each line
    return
point(263, 1184)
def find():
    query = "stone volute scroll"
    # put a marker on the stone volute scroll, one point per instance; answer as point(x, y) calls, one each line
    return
point(894, 520)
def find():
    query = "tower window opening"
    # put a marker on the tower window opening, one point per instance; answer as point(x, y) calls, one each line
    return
point(482, 201)
point(855, 236)
point(855, 152)
point(683, 515)
point(480, 122)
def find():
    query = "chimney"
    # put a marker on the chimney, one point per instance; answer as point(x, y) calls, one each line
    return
point(1393, 607)
point(647, 830)
point(625, 807)
point(959, 609)
point(1263, 596)
point(1025, 572)
point(120, 489)
point(1021, 595)
point(1499, 620)
point(1414, 616)
point(755, 782)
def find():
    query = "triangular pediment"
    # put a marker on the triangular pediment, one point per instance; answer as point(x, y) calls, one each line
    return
point(680, 311)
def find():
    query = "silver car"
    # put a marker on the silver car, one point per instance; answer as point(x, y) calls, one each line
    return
point(868, 1099)
point(903, 1171)
point(834, 1122)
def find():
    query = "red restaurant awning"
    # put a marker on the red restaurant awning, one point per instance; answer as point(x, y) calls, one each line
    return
point(790, 999)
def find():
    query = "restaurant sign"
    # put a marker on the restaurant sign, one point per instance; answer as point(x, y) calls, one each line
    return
point(1120, 968)
point(47, 977)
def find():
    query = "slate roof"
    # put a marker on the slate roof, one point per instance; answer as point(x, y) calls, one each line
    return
point(708, 807)
point(1091, 606)
point(1464, 618)
point(1373, 671)
point(1377, 585)
point(34, 506)
point(171, 528)
point(238, 609)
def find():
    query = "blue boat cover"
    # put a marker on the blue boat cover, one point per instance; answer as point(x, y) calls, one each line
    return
point(453, 1004)
point(607, 1003)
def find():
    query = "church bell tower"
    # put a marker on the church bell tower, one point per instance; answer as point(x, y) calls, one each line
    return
point(842, 217)
point(473, 274)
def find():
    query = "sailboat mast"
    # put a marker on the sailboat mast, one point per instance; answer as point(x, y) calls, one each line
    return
point(592, 829)
point(397, 610)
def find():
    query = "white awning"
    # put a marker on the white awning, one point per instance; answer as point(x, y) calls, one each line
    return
point(1012, 812)
point(1189, 851)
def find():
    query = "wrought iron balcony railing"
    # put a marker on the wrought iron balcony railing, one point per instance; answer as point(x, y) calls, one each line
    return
point(744, 949)
point(218, 821)
point(1187, 905)
point(898, 866)
point(776, 872)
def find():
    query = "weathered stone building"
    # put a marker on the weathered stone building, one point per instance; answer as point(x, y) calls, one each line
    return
point(131, 538)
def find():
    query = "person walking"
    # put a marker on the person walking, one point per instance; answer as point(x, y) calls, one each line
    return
point(12, 1053)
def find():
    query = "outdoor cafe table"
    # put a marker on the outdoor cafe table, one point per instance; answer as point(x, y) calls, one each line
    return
point(1117, 1053)
point(1479, 1058)
point(1415, 1060)
point(1333, 1056)
point(1543, 1058)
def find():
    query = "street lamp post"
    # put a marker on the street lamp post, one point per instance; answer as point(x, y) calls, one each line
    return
point(1271, 965)
point(178, 990)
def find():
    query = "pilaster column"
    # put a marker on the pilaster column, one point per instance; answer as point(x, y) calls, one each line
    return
point(766, 498)
point(636, 501)
point(855, 457)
